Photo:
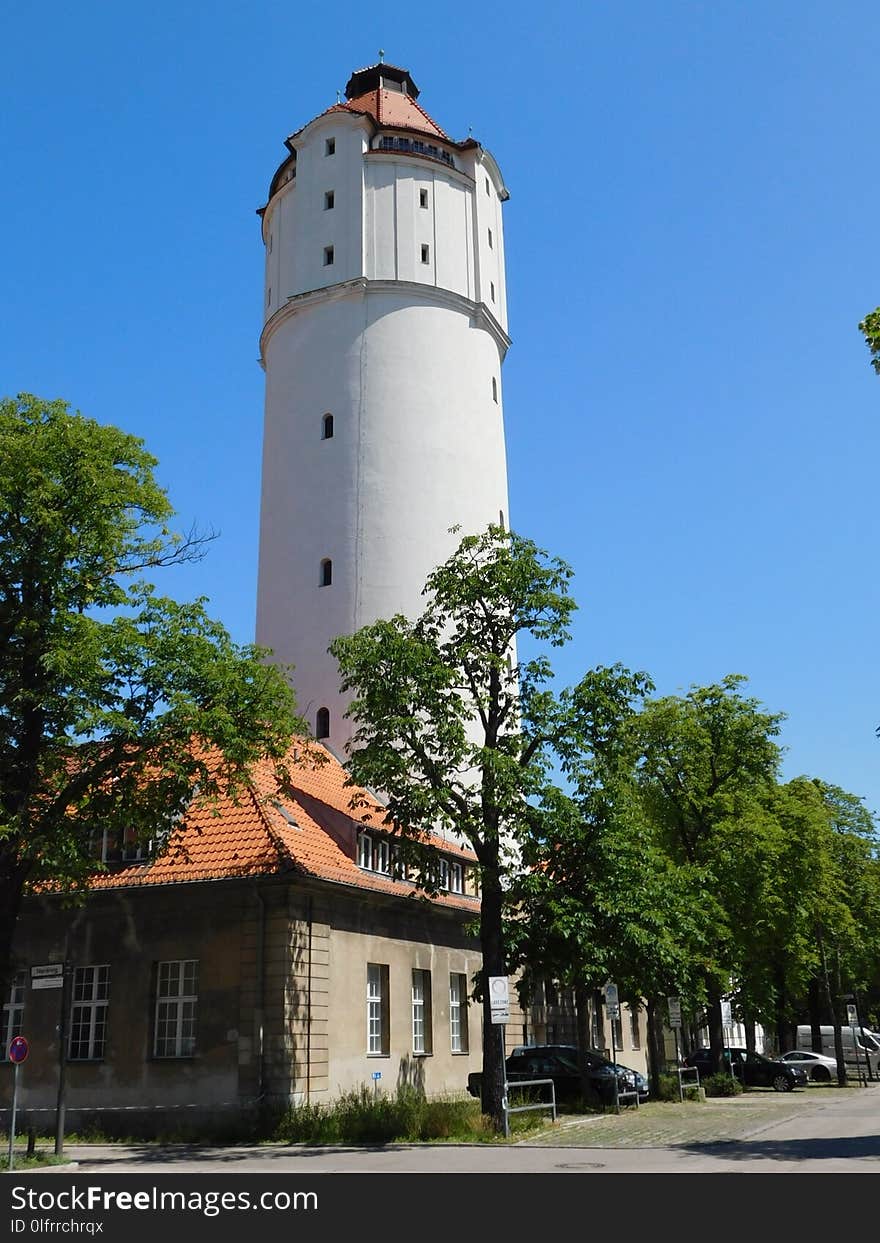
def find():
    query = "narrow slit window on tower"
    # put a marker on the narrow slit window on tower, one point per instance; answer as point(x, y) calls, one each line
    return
point(426, 253)
point(501, 519)
point(328, 256)
point(326, 572)
point(322, 723)
point(329, 200)
point(423, 198)
point(490, 240)
point(494, 389)
point(327, 427)
point(492, 290)
point(488, 191)
point(330, 146)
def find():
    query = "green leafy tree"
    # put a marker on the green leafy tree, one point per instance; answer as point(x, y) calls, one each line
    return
point(870, 329)
point(455, 732)
point(705, 763)
point(115, 703)
point(597, 900)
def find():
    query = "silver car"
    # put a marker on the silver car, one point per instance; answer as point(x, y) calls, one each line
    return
point(816, 1066)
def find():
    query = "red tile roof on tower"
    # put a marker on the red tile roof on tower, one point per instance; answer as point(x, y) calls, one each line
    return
point(305, 825)
point(394, 110)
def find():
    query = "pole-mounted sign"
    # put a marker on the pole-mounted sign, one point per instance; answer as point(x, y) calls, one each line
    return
point(499, 999)
point(674, 1004)
point(612, 1001)
point(17, 1053)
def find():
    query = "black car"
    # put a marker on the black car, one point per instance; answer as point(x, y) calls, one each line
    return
point(560, 1063)
point(753, 1070)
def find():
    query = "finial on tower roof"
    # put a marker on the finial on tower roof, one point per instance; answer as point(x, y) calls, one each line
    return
point(381, 56)
point(339, 97)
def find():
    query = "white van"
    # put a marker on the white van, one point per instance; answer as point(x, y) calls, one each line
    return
point(866, 1047)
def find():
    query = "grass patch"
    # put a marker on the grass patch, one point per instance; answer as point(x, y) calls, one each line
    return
point(359, 1117)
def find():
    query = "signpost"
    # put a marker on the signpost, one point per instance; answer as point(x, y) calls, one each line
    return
point(852, 1017)
point(726, 1022)
point(17, 1052)
point(377, 1075)
point(499, 999)
point(49, 976)
point(673, 1004)
point(612, 1009)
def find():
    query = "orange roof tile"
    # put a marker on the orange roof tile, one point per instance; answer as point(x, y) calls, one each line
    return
point(306, 825)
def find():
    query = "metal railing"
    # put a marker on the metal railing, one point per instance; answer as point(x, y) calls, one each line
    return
point(520, 1109)
point(686, 1070)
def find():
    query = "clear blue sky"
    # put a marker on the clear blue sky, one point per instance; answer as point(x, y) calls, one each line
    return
point(691, 417)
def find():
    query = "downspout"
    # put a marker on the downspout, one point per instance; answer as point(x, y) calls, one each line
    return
point(309, 1011)
point(259, 1014)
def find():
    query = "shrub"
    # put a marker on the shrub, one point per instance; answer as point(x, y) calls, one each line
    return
point(360, 1117)
point(721, 1085)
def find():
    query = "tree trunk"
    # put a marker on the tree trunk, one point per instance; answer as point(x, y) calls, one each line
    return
point(582, 1017)
point(832, 1009)
point(716, 1029)
point(781, 1006)
point(12, 879)
point(492, 948)
point(656, 1060)
point(814, 1003)
point(749, 1027)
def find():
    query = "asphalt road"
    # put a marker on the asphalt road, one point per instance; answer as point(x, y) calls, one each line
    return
point(811, 1131)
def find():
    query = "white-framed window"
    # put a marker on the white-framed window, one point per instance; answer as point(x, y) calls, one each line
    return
point(426, 253)
point(329, 146)
point(423, 198)
point(365, 851)
point(456, 878)
point(381, 856)
point(378, 1015)
point(618, 1034)
point(635, 1038)
point(458, 1013)
point(88, 1013)
point(421, 1011)
point(329, 200)
point(443, 874)
point(12, 1014)
point(177, 1003)
point(328, 256)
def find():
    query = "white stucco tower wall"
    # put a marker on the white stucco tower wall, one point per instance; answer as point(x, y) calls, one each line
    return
point(385, 310)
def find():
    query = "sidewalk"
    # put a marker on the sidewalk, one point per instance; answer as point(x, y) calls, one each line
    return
point(658, 1125)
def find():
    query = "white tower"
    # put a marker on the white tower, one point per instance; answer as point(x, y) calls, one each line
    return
point(384, 335)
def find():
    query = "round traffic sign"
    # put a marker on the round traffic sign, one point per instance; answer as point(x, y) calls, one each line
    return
point(18, 1049)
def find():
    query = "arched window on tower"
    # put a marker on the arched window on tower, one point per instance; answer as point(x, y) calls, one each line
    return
point(326, 572)
point(327, 427)
point(322, 723)
point(501, 519)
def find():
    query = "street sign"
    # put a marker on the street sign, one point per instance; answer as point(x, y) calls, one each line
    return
point(499, 999)
point(612, 1001)
point(18, 1050)
point(852, 1016)
point(674, 1004)
point(51, 975)
point(377, 1074)
point(726, 1014)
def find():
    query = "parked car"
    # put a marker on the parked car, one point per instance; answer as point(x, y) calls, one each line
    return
point(865, 1048)
point(753, 1070)
point(817, 1066)
point(560, 1063)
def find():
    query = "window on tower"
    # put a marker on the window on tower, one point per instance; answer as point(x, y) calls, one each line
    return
point(327, 427)
point(329, 200)
point(494, 389)
point(328, 256)
point(326, 572)
point(322, 723)
point(426, 253)
point(488, 191)
point(490, 240)
point(423, 198)
point(492, 290)
point(330, 146)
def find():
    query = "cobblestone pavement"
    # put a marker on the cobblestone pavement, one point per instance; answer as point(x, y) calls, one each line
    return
point(716, 1120)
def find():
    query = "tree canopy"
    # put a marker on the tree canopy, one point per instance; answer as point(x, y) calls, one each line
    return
point(116, 704)
point(870, 330)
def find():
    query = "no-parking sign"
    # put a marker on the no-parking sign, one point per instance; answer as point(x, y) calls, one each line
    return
point(18, 1049)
